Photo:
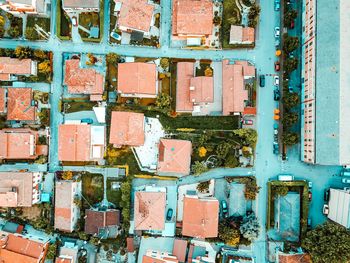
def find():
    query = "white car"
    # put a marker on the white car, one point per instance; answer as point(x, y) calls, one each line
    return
point(277, 32)
point(325, 209)
point(276, 80)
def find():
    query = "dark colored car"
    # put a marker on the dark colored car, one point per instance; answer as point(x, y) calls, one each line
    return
point(277, 66)
point(275, 148)
point(224, 209)
point(276, 95)
point(169, 214)
point(309, 223)
point(292, 24)
point(87, 120)
point(326, 195)
point(262, 81)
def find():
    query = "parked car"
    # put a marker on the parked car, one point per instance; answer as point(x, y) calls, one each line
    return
point(248, 122)
point(345, 173)
point(277, 5)
point(116, 36)
point(347, 189)
point(275, 128)
point(87, 120)
point(325, 209)
point(310, 196)
point(169, 214)
point(276, 115)
point(290, 89)
point(276, 95)
point(276, 80)
point(292, 24)
point(326, 195)
point(309, 223)
point(262, 81)
point(285, 177)
point(277, 32)
point(224, 209)
point(277, 66)
point(275, 148)
point(310, 185)
point(74, 21)
point(345, 180)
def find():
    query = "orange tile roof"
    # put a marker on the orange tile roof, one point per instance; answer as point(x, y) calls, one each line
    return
point(180, 249)
point(233, 90)
point(74, 142)
point(19, 104)
point(192, 17)
point(95, 220)
point(2, 100)
point(248, 70)
point(127, 128)
point(135, 14)
point(297, 258)
point(137, 78)
point(174, 156)
point(15, 66)
point(63, 260)
point(17, 249)
point(203, 89)
point(248, 34)
point(147, 259)
point(149, 210)
point(22, 182)
point(82, 80)
point(200, 217)
point(185, 72)
point(249, 111)
point(18, 144)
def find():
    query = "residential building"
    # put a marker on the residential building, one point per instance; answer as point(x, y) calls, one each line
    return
point(18, 189)
point(27, 7)
point(234, 93)
point(293, 258)
point(339, 207)
point(20, 106)
point(149, 211)
point(79, 6)
point(20, 144)
point(104, 224)
point(3, 107)
point(16, 248)
point(134, 15)
point(80, 80)
point(127, 129)
point(242, 35)
point(174, 157)
point(11, 68)
point(81, 142)
point(192, 92)
point(200, 217)
point(67, 212)
point(180, 249)
point(137, 79)
point(325, 81)
point(153, 256)
point(68, 253)
point(192, 18)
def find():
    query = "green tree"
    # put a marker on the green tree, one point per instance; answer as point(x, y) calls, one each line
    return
point(289, 16)
point(228, 234)
point(83, 236)
point(45, 67)
point(289, 43)
point(164, 63)
point(31, 33)
point(290, 138)
point(250, 227)
point(328, 243)
point(112, 58)
point(253, 15)
point(223, 149)
point(203, 186)
point(281, 190)
point(14, 31)
point(95, 241)
point(290, 64)
point(163, 101)
point(23, 52)
point(2, 21)
point(290, 100)
point(217, 20)
point(51, 252)
point(231, 161)
point(39, 54)
point(199, 167)
point(290, 118)
point(250, 136)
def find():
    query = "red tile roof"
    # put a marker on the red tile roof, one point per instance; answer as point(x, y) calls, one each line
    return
point(19, 104)
point(200, 217)
point(240, 34)
point(192, 17)
point(233, 91)
point(18, 144)
point(249, 111)
point(149, 210)
point(63, 260)
point(202, 89)
point(17, 249)
point(130, 244)
point(15, 66)
point(248, 34)
point(82, 80)
point(74, 141)
point(99, 219)
point(185, 72)
point(297, 258)
point(135, 15)
point(136, 78)
point(180, 249)
point(147, 259)
point(2, 100)
point(248, 70)
point(174, 157)
point(127, 128)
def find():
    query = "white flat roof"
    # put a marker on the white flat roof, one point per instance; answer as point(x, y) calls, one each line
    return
point(339, 207)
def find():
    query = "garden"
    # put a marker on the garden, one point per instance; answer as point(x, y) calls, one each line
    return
point(63, 23)
point(10, 26)
point(77, 104)
point(36, 21)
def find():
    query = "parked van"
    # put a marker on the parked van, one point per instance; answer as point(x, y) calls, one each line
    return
point(285, 177)
point(345, 173)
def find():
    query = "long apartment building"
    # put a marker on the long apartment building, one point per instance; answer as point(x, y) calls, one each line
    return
point(326, 82)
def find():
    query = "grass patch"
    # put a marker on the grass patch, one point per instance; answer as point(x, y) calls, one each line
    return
point(122, 156)
point(92, 187)
point(74, 106)
point(113, 196)
point(43, 22)
point(63, 23)
point(166, 85)
point(112, 76)
point(230, 16)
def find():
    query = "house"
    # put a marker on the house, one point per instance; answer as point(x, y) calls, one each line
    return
point(80, 142)
point(67, 212)
point(339, 207)
point(104, 224)
point(127, 128)
point(18, 189)
point(192, 18)
point(135, 15)
point(191, 91)
point(68, 253)
point(2, 100)
point(16, 248)
point(79, 6)
point(153, 256)
point(294, 258)
point(20, 144)
point(200, 217)
point(11, 68)
point(242, 35)
point(20, 105)
point(137, 79)
point(180, 249)
point(174, 157)
point(234, 93)
point(149, 210)
point(81, 80)
point(27, 7)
